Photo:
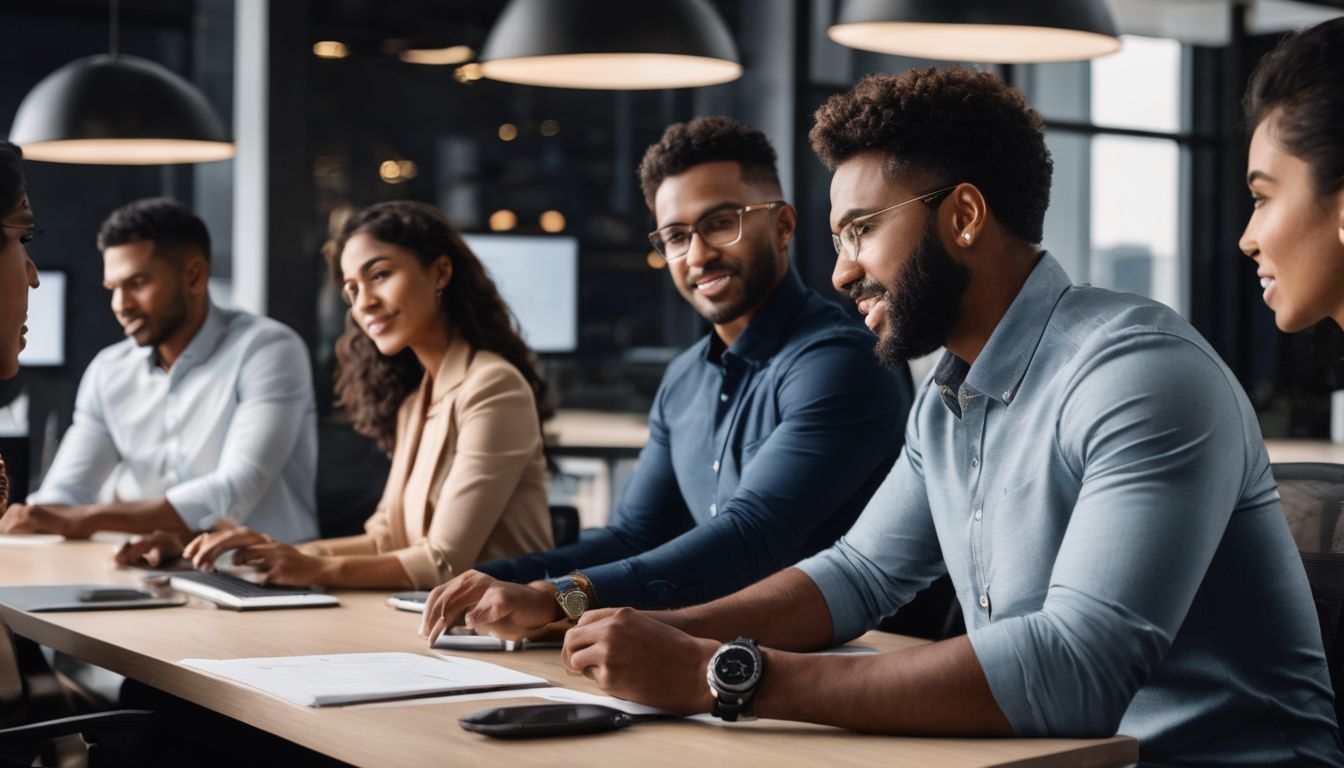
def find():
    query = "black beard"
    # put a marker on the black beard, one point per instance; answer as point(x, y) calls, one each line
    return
point(925, 304)
point(173, 319)
point(757, 280)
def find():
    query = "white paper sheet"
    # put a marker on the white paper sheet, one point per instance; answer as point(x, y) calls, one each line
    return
point(346, 678)
point(30, 539)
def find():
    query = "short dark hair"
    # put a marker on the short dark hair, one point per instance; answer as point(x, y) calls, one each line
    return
point(943, 127)
point(1302, 80)
point(12, 185)
point(162, 220)
point(707, 140)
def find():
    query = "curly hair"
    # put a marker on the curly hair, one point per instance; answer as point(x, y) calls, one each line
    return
point(1300, 80)
point(707, 140)
point(947, 126)
point(12, 185)
point(370, 387)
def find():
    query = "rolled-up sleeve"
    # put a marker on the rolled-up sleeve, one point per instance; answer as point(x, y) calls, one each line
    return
point(840, 416)
point(889, 555)
point(275, 404)
point(1155, 453)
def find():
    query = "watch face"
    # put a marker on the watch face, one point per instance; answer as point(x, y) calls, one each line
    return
point(574, 602)
point(735, 666)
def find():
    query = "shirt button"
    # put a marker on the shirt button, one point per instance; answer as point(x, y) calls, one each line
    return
point(975, 462)
point(977, 514)
point(984, 601)
point(716, 465)
point(713, 510)
point(723, 397)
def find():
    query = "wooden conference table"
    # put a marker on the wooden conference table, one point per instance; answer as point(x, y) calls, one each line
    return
point(146, 644)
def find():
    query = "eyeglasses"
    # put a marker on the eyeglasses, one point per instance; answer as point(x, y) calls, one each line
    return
point(29, 232)
point(847, 242)
point(720, 229)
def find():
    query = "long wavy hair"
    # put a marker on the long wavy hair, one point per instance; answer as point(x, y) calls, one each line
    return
point(370, 386)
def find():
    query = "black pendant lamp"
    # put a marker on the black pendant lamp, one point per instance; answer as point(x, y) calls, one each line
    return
point(115, 109)
point(610, 44)
point(997, 31)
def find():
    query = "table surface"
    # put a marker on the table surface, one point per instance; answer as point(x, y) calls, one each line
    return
point(1281, 451)
point(146, 644)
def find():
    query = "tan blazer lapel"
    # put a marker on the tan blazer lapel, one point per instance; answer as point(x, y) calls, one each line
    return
point(403, 459)
point(437, 432)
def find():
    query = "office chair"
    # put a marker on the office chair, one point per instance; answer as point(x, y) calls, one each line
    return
point(31, 693)
point(1313, 502)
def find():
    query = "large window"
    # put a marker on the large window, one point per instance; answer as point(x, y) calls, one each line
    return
point(1116, 129)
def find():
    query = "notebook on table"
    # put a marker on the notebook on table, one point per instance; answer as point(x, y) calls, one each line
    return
point(349, 678)
point(232, 592)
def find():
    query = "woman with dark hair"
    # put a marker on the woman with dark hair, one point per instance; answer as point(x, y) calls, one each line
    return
point(432, 367)
point(1295, 110)
point(17, 272)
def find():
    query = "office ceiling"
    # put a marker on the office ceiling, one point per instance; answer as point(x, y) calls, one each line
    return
point(429, 23)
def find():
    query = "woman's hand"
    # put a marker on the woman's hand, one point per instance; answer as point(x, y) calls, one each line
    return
point(275, 562)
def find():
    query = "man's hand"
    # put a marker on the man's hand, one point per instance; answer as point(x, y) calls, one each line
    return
point(636, 657)
point(503, 609)
point(151, 550)
point(39, 518)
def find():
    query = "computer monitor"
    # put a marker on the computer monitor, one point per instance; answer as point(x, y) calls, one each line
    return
point(46, 321)
point(539, 277)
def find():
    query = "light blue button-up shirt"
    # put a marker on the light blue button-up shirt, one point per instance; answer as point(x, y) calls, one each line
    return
point(228, 434)
point(1098, 489)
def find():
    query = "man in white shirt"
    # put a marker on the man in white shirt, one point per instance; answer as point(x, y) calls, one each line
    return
point(208, 414)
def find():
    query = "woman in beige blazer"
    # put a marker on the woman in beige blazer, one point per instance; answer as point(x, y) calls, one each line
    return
point(432, 368)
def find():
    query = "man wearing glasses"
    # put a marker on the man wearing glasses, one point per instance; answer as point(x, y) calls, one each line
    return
point(765, 439)
point(1083, 465)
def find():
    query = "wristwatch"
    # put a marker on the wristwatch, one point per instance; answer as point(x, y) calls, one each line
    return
point(575, 595)
point(734, 674)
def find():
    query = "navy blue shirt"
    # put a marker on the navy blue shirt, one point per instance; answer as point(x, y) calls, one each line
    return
point(758, 455)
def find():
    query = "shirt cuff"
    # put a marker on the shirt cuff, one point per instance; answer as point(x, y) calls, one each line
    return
point(427, 567)
point(42, 496)
point(191, 501)
point(829, 572)
point(1006, 672)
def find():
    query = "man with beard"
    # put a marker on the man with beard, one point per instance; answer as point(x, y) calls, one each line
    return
point(1085, 467)
point(206, 414)
point(766, 438)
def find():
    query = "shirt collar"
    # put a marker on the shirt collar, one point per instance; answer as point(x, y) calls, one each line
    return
point(201, 346)
point(769, 329)
point(999, 369)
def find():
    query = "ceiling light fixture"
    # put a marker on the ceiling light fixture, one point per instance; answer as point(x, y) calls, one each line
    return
point(115, 109)
point(610, 44)
point(997, 31)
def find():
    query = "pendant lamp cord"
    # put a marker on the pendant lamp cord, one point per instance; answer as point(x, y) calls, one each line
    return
point(114, 31)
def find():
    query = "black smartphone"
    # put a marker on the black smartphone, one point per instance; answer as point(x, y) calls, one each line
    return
point(534, 720)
